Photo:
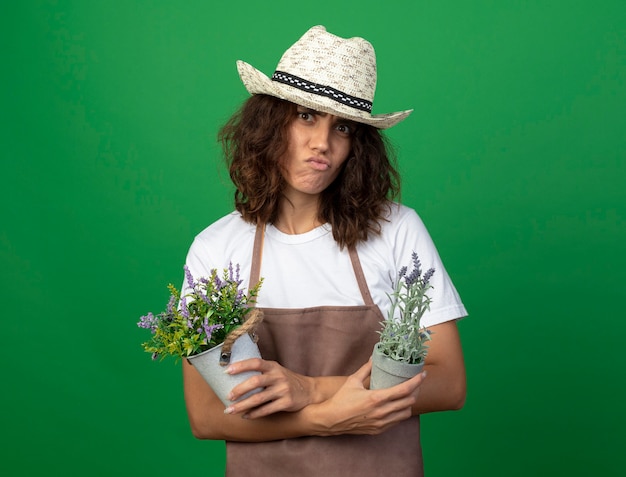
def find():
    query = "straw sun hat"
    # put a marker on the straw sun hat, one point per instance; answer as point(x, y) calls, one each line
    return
point(326, 73)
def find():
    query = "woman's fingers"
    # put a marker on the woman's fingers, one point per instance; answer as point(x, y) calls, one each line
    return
point(407, 387)
point(283, 390)
point(357, 410)
point(354, 408)
point(252, 364)
point(363, 372)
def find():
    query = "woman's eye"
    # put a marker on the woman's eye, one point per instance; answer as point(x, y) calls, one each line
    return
point(344, 129)
point(305, 116)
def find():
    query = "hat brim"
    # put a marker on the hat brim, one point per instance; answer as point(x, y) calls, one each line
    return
point(258, 83)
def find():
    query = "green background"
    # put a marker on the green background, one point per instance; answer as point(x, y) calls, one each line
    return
point(515, 158)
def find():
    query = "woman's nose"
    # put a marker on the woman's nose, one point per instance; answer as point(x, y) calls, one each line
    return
point(319, 137)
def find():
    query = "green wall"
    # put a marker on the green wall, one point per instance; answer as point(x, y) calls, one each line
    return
point(515, 158)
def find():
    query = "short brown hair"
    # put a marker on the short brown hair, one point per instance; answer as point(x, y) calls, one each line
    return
point(256, 137)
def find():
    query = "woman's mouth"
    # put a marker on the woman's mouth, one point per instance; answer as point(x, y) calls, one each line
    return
point(319, 164)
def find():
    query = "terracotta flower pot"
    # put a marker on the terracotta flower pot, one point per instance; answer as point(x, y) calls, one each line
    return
point(208, 365)
point(387, 373)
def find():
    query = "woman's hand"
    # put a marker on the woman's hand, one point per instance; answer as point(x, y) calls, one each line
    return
point(283, 390)
point(354, 409)
point(337, 404)
point(350, 409)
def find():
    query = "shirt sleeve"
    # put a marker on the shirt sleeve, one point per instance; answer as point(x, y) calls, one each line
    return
point(410, 235)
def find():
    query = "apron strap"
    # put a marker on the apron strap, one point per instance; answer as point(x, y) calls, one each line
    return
point(360, 276)
point(257, 254)
point(257, 257)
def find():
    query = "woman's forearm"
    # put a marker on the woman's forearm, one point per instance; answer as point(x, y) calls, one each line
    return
point(208, 421)
point(444, 388)
point(352, 409)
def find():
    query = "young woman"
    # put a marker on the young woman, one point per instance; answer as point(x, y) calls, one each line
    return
point(315, 218)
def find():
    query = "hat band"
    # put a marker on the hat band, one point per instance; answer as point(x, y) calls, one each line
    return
point(339, 96)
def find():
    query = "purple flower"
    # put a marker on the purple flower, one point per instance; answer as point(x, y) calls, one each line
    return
point(417, 270)
point(170, 305)
point(428, 275)
point(237, 278)
point(200, 292)
point(209, 329)
point(183, 307)
point(189, 277)
point(218, 283)
point(238, 297)
point(189, 316)
point(148, 322)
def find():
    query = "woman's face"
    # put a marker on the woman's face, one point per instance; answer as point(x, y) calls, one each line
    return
point(319, 144)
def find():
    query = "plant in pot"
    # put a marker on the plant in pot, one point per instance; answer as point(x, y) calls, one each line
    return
point(211, 325)
point(401, 350)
